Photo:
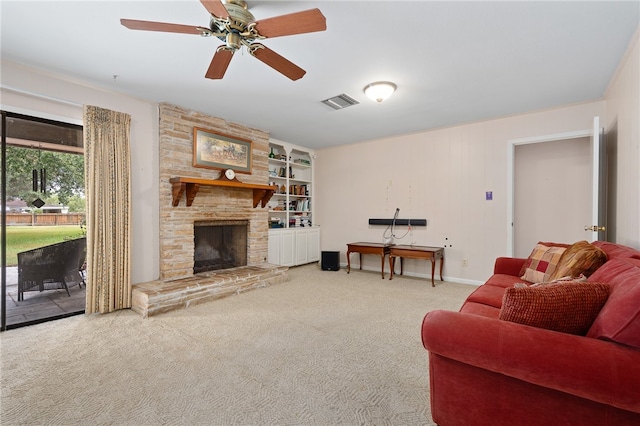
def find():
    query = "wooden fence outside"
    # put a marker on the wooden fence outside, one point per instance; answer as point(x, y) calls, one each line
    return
point(44, 219)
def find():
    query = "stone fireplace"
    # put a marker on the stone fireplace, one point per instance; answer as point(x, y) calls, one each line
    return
point(219, 244)
point(211, 204)
point(189, 272)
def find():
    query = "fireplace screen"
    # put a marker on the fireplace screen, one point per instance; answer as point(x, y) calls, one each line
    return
point(219, 245)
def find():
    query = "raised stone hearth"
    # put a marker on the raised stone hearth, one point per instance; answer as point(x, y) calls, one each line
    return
point(156, 297)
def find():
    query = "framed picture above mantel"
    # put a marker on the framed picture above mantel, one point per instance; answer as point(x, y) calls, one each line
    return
point(213, 150)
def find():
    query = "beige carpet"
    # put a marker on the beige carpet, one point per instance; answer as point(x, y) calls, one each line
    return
point(324, 348)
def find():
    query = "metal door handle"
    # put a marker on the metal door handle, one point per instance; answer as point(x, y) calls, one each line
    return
point(594, 228)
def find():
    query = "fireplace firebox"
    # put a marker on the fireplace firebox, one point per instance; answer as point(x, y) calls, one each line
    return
point(220, 244)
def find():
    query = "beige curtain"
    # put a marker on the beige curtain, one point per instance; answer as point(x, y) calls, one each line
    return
point(108, 196)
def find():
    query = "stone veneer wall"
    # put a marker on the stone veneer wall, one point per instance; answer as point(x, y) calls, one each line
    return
point(211, 203)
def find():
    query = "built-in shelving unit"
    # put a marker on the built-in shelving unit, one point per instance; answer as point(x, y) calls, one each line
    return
point(291, 170)
point(293, 238)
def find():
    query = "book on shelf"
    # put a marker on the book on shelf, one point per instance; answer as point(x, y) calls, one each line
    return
point(300, 205)
point(302, 190)
point(299, 221)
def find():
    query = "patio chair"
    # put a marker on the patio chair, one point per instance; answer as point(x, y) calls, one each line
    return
point(52, 267)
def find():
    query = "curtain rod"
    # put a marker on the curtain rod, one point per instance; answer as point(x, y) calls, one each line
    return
point(37, 95)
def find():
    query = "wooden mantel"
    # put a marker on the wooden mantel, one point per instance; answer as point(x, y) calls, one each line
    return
point(261, 193)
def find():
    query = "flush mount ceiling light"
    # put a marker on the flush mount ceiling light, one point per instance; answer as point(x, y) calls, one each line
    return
point(380, 90)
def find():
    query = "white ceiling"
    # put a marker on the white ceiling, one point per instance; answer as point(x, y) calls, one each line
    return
point(453, 62)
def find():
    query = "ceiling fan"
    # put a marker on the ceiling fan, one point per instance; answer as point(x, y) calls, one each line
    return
point(232, 23)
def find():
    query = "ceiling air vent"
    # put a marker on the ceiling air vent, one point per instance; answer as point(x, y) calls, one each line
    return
point(340, 101)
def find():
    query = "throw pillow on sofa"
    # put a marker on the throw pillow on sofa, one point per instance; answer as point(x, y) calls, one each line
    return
point(580, 258)
point(525, 265)
point(569, 307)
point(541, 263)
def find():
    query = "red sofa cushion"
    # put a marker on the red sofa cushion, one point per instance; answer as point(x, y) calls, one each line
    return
point(481, 309)
point(566, 307)
point(619, 318)
point(503, 281)
point(490, 295)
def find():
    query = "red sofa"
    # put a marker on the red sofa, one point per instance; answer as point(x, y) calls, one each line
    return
point(487, 371)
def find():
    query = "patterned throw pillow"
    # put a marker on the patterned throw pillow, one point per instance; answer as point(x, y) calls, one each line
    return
point(525, 265)
point(581, 258)
point(566, 307)
point(542, 263)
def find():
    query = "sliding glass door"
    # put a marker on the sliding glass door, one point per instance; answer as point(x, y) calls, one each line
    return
point(43, 221)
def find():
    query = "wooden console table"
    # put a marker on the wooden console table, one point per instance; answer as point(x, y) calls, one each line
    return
point(417, 252)
point(367, 248)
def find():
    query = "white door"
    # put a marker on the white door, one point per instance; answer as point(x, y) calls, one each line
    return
point(596, 229)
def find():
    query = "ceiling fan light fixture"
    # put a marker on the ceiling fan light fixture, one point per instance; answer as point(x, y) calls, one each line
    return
point(380, 90)
point(233, 41)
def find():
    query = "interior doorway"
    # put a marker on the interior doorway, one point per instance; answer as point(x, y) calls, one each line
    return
point(43, 223)
point(565, 175)
point(552, 192)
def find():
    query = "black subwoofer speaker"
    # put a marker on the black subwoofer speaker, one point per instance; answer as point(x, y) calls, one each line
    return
point(330, 261)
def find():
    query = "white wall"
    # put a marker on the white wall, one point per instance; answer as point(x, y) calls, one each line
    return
point(443, 175)
point(440, 175)
point(623, 111)
point(48, 91)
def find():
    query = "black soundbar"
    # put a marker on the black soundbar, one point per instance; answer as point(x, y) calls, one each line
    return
point(405, 222)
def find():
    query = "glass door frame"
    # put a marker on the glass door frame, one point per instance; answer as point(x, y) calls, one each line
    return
point(3, 225)
point(3, 215)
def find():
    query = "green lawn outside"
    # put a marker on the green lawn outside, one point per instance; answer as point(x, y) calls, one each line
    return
point(21, 238)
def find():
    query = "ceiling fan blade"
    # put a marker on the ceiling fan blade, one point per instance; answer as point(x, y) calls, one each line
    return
point(216, 8)
point(219, 64)
point(307, 21)
point(133, 24)
point(277, 62)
